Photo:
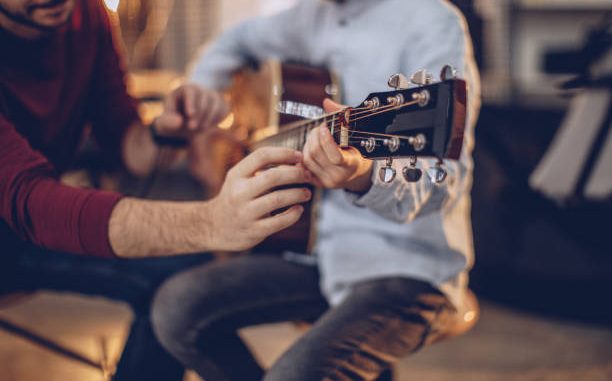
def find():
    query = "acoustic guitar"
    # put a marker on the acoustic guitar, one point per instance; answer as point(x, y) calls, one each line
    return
point(278, 104)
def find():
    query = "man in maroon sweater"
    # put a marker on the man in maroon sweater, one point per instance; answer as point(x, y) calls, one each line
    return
point(59, 71)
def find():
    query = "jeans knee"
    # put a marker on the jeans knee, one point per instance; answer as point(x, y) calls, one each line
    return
point(172, 320)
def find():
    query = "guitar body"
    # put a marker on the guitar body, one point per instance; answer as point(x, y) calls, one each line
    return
point(256, 94)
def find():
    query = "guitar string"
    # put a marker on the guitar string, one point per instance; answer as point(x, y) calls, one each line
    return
point(352, 132)
point(379, 111)
point(325, 120)
point(299, 143)
point(293, 142)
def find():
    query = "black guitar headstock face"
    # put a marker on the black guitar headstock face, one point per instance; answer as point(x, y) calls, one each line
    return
point(422, 121)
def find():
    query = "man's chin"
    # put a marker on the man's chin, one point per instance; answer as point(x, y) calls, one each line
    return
point(51, 24)
point(53, 18)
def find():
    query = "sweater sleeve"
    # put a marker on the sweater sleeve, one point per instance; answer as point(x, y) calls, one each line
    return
point(41, 210)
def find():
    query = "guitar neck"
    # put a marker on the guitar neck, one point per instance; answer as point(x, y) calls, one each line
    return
point(423, 121)
point(294, 135)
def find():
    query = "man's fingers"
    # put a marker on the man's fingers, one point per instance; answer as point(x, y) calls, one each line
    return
point(329, 147)
point(313, 149)
point(275, 177)
point(331, 106)
point(199, 107)
point(265, 157)
point(315, 158)
point(311, 164)
point(280, 221)
point(279, 199)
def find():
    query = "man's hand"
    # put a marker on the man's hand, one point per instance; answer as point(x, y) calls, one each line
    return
point(237, 219)
point(243, 209)
point(191, 109)
point(331, 166)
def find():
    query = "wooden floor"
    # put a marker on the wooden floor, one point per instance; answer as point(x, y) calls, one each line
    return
point(505, 345)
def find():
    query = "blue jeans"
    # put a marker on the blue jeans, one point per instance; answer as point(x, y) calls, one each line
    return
point(133, 281)
point(196, 315)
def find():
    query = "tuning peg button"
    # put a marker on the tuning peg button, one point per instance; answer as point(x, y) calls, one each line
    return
point(448, 72)
point(412, 175)
point(398, 82)
point(437, 174)
point(387, 173)
point(421, 77)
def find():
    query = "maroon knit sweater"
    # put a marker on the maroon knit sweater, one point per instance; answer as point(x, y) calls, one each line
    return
point(50, 89)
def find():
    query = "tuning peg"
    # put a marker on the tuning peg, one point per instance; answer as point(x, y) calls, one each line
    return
point(411, 173)
point(387, 173)
point(437, 174)
point(421, 77)
point(398, 82)
point(369, 144)
point(392, 144)
point(418, 142)
point(371, 103)
point(448, 72)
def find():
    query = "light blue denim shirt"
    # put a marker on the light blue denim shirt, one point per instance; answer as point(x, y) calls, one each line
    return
point(417, 230)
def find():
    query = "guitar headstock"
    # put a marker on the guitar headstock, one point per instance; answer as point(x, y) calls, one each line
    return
point(425, 120)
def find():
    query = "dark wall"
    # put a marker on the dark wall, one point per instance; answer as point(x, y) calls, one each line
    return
point(530, 251)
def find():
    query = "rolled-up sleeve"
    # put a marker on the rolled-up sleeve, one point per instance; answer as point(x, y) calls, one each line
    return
point(45, 212)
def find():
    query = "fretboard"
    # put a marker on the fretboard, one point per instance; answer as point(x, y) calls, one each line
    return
point(294, 135)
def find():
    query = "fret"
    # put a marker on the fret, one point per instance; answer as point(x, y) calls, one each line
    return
point(295, 136)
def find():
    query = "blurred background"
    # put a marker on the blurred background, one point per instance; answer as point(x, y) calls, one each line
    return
point(543, 271)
